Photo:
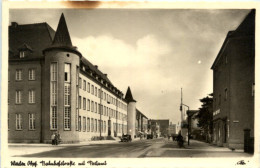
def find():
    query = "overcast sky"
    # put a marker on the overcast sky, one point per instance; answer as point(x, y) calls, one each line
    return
point(154, 51)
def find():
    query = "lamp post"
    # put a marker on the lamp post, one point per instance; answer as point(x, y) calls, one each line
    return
point(188, 121)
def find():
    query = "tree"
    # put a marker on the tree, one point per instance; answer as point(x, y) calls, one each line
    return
point(205, 117)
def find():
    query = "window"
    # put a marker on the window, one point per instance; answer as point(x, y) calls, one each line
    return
point(98, 126)
point(98, 93)
point(31, 96)
point(18, 97)
point(18, 74)
point(95, 107)
point(84, 103)
point(101, 94)
point(31, 121)
point(92, 106)
point(19, 122)
point(101, 109)
point(88, 105)
point(22, 54)
point(53, 94)
point(67, 94)
point(79, 123)
point(67, 114)
point(88, 128)
point(105, 126)
point(95, 91)
point(92, 89)
point(67, 72)
point(84, 85)
point(105, 110)
point(79, 102)
point(95, 125)
point(77, 76)
point(105, 97)
point(31, 74)
point(92, 124)
point(84, 124)
point(53, 118)
point(226, 94)
point(80, 82)
point(88, 89)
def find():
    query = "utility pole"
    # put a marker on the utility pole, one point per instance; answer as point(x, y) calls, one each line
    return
point(188, 122)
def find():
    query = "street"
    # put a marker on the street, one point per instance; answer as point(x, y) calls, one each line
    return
point(137, 149)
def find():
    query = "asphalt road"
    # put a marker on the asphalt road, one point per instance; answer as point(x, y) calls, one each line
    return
point(138, 149)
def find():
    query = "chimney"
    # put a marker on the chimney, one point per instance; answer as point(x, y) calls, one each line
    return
point(96, 66)
point(14, 24)
point(105, 75)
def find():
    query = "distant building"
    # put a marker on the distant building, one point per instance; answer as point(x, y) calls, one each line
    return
point(141, 122)
point(163, 126)
point(172, 129)
point(193, 123)
point(154, 128)
point(233, 85)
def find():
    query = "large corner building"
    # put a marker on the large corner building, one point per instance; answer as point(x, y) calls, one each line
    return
point(233, 85)
point(52, 87)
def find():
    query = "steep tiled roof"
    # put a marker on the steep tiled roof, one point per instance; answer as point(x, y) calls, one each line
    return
point(129, 96)
point(38, 36)
point(62, 36)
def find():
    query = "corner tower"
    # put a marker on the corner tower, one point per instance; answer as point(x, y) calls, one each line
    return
point(60, 87)
point(131, 113)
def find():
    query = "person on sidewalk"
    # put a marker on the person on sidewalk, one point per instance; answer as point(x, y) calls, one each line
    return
point(53, 137)
point(58, 138)
point(180, 140)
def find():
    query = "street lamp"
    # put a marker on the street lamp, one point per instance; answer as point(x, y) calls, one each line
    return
point(188, 121)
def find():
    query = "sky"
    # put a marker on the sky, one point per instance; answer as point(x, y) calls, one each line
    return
point(155, 52)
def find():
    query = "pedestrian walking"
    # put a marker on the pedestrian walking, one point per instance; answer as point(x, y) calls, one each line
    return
point(57, 138)
point(53, 137)
point(180, 140)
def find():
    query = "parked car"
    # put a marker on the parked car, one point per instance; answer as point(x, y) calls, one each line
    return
point(149, 136)
point(126, 138)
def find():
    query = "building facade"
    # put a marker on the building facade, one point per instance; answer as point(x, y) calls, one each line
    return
point(53, 88)
point(163, 126)
point(233, 85)
point(172, 129)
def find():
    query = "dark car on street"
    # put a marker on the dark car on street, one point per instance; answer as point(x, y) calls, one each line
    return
point(149, 136)
point(126, 138)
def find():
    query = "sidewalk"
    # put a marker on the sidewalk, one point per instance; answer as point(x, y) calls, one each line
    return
point(202, 149)
point(17, 149)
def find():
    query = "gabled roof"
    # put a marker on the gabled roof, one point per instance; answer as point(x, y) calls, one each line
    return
point(129, 96)
point(246, 28)
point(38, 36)
point(62, 39)
point(25, 47)
point(90, 67)
point(138, 112)
point(62, 36)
